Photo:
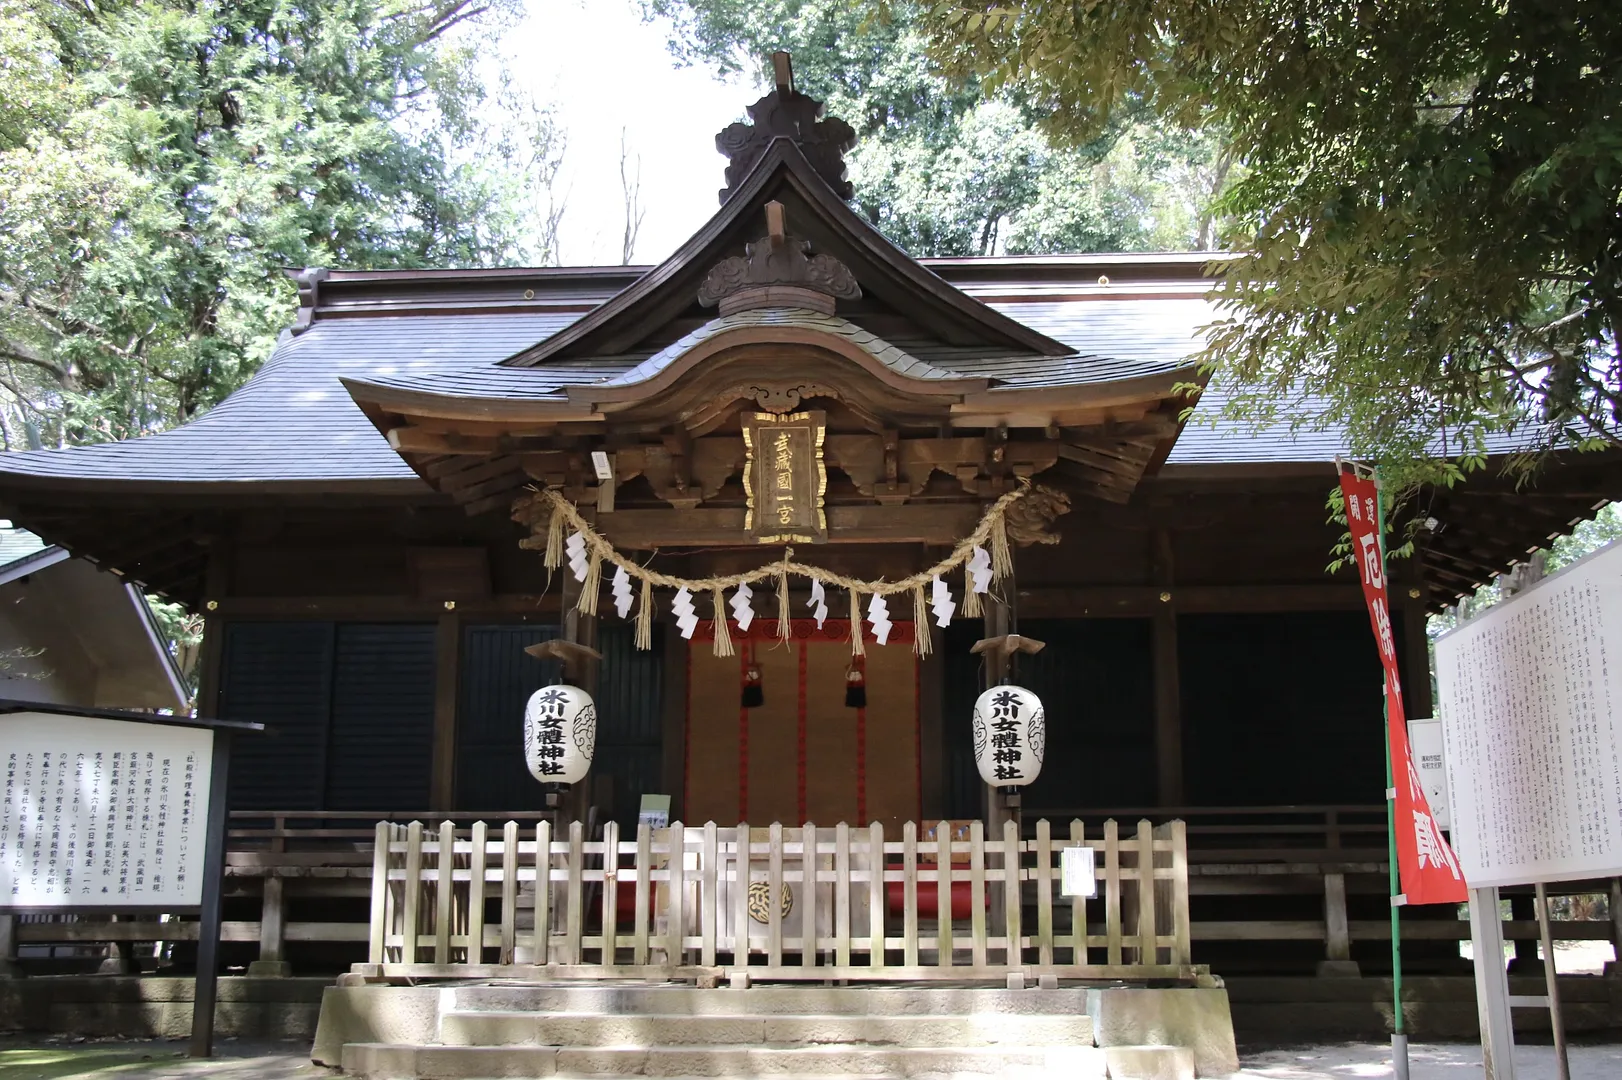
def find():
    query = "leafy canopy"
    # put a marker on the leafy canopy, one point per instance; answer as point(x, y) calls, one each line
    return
point(1429, 203)
point(944, 168)
point(162, 161)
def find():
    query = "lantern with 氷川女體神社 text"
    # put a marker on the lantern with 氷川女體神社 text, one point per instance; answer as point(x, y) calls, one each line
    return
point(1010, 733)
point(560, 732)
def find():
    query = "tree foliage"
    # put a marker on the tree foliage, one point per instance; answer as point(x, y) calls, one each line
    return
point(945, 168)
point(1428, 206)
point(162, 161)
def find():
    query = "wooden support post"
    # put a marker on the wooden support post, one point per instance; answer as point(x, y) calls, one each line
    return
point(994, 804)
point(582, 630)
point(1337, 931)
point(1492, 986)
point(8, 947)
point(673, 717)
point(1557, 1022)
point(1615, 966)
point(1413, 597)
point(1168, 691)
point(996, 811)
point(212, 650)
point(272, 920)
point(447, 656)
point(931, 718)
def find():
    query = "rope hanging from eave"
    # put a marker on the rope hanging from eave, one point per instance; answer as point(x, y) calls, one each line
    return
point(989, 533)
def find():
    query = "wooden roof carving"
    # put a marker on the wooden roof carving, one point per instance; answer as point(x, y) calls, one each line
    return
point(785, 113)
point(778, 270)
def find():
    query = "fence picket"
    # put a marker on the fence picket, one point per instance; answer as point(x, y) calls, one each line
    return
point(875, 894)
point(444, 864)
point(676, 886)
point(644, 883)
point(1044, 893)
point(1078, 904)
point(413, 896)
point(475, 893)
point(808, 890)
point(943, 894)
point(1179, 884)
point(1112, 892)
point(543, 886)
point(909, 894)
point(380, 892)
point(740, 899)
point(574, 919)
point(842, 895)
point(774, 895)
point(1148, 951)
point(610, 893)
point(1011, 901)
point(509, 891)
point(977, 892)
point(709, 895)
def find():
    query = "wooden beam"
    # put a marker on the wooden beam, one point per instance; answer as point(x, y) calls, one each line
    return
point(1142, 601)
point(385, 608)
point(706, 527)
point(1131, 469)
point(459, 474)
point(416, 440)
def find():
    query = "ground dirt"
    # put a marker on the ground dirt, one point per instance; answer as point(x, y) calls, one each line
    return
point(47, 1059)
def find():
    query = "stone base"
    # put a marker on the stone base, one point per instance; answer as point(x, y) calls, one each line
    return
point(270, 969)
point(1149, 1063)
point(1339, 969)
point(1198, 1020)
point(158, 1007)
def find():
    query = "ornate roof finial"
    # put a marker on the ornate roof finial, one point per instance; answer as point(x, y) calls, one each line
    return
point(777, 271)
point(785, 113)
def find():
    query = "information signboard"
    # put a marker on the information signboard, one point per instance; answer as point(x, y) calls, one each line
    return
point(1531, 732)
point(100, 813)
point(106, 810)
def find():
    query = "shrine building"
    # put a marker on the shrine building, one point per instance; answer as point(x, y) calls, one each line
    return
point(364, 527)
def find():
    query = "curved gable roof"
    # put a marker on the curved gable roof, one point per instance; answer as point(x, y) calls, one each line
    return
point(884, 271)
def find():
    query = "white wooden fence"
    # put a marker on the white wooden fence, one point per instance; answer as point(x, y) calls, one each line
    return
point(818, 903)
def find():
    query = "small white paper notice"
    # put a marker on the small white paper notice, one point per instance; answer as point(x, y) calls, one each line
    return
point(1076, 876)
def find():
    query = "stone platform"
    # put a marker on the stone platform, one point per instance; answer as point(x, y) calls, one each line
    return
point(446, 1032)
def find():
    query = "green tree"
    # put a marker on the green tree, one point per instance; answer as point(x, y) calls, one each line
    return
point(1429, 204)
point(162, 161)
point(943, 168)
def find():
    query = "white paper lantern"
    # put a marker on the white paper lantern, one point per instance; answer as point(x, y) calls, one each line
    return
point(1010, 733)
point(560, 732)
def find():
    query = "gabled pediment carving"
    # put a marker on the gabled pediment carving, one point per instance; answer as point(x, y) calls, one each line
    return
point(778, 270)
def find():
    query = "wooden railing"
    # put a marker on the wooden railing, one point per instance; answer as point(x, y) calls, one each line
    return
point(1323, 854)
point(775, 903)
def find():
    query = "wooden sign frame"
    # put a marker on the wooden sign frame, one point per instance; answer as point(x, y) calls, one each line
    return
point(785, 477)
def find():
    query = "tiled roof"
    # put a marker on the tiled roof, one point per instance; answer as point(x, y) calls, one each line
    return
point(295, 423)
point(17, 544)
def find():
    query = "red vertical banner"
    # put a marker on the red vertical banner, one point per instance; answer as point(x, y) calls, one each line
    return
point(1429, 870)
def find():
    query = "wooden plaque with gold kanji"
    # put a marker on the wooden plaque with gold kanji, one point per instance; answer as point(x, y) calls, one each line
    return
point(784, 476)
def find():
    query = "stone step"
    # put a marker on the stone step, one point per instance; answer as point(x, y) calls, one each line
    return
point(382, 1061)
point(1149, 1062)
point(483, 1028)
point(767, 1000)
